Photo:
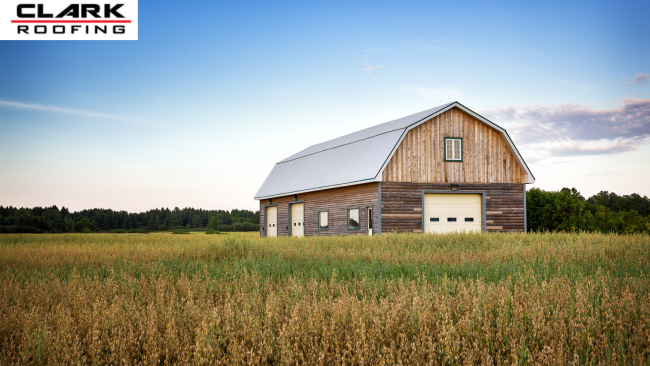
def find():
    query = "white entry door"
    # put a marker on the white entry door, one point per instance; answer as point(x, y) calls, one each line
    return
point(369, 220)
point(445, 213)
point(272, 221)
point(298, 219)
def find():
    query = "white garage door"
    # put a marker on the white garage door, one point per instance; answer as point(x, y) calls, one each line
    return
point(298, 219)
point(445, 213)
point(272, 221)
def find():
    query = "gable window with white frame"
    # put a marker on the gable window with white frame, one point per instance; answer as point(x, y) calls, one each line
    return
point(453, 149)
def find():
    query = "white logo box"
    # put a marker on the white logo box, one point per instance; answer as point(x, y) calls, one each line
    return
point(65, 20)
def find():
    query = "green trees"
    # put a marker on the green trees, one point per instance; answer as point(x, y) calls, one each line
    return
point(564, 210)
point(69, 224)
point(568, 210)
point(176, 218)
point(156, 223)
point(84, 226)
point(548, 211)
point(53, 220)
point(197, 221)
point(621, 203)
point(236, 220)
point(221, 220)
point(213, 223)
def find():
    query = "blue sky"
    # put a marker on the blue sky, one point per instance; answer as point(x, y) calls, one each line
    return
point(197, 111)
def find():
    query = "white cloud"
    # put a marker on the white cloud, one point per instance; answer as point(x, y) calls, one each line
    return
point(374, 69)
point(576, 130)
point(368, 68)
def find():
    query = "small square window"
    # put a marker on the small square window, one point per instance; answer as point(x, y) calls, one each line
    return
point(299, 224)
point(434, 219)
point(453, 149)
point(469, 219)
point(353, 218)
point(451, 219)
point(323, 220)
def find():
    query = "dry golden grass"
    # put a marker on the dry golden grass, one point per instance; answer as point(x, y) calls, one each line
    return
point(399, 299)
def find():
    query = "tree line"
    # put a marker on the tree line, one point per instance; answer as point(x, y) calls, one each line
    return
point(564, 210)
point(606, 212)
point(55, 220)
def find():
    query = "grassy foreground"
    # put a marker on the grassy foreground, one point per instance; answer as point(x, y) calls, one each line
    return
point(409, 299)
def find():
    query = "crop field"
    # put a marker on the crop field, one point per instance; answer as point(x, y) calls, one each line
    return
point(396, 299)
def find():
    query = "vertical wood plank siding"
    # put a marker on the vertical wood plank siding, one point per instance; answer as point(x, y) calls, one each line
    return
point(401, 205)
point(337, 201)
point(487, 157)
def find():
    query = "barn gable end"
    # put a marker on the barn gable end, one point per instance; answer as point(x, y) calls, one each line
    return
point(487, 157)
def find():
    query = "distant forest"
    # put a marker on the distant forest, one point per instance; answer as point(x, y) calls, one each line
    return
point(55, 220)
point(605, 212)
point(565, 210)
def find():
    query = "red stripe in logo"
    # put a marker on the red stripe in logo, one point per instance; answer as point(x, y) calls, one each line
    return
point(71, 21)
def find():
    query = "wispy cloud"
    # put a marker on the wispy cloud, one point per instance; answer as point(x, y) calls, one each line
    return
point(442, 94)
point(574, 129)
point(55, 109)
point(370, 69)
point(638, 79)
point(374, 69)
point(581, 148)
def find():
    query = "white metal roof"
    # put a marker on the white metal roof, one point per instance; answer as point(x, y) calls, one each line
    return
point(355, 158)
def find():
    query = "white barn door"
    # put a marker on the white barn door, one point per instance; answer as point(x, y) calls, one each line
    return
point(272, 221)
point(298, 219)
point(445, 213)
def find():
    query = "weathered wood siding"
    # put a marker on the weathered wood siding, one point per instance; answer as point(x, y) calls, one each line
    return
point(336, 200)
point(486, 155)
point(402, 205)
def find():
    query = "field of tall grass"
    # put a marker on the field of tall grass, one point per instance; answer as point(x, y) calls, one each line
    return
point(396, 299)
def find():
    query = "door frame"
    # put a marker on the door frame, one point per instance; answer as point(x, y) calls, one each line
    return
point(289, 226)
point(266, 218)
point(482, 193)
point(369, 218)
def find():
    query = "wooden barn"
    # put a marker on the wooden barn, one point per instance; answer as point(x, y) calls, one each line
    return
point(444, 169)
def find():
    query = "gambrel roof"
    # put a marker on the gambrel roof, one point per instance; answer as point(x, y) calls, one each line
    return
point(359, 157)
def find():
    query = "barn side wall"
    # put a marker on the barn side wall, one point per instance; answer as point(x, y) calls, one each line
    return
point(401, 205)
point(336, 200)
point(487, 157)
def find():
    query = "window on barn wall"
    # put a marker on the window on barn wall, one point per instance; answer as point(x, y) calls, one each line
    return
point(353, 218)
point(323, 220)
point(453, 149)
